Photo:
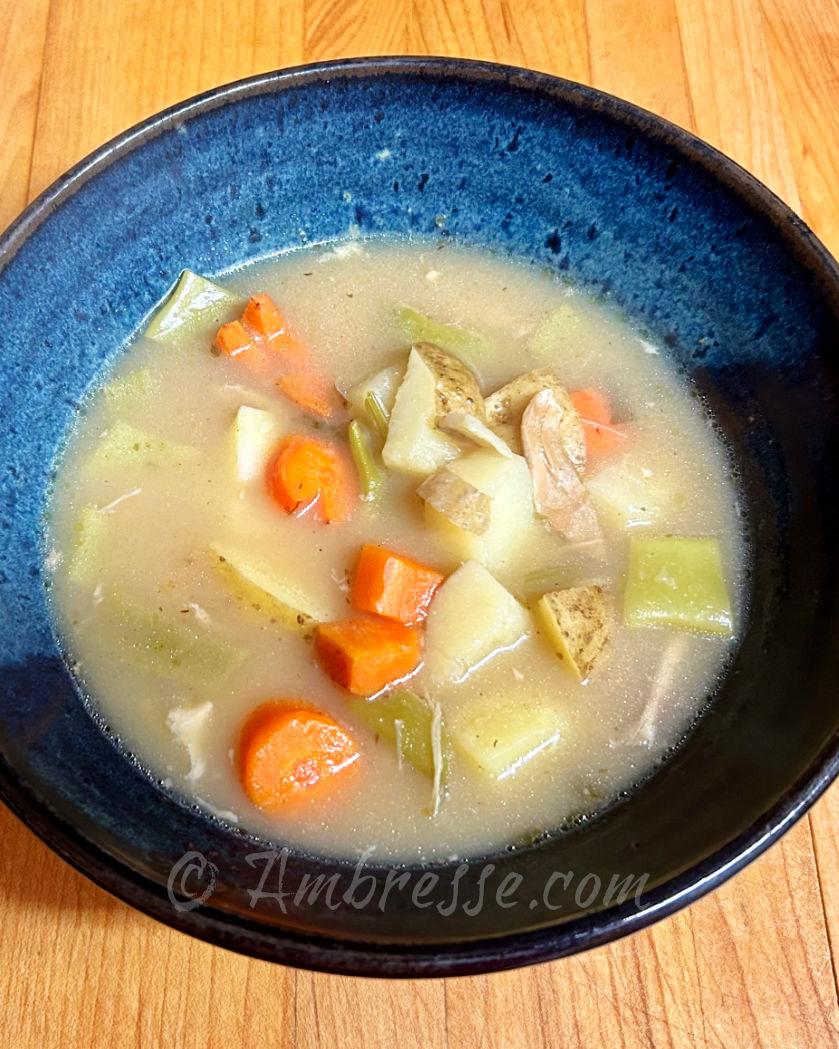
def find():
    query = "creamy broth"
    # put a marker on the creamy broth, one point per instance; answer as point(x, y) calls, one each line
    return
point(161, 524)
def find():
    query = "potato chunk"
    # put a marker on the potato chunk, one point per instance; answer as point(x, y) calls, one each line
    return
point(499, 738)
point(455, 386)
point(505, 409)
point(576, 621)
point(471, 618)
point(457, 500)
point(413, 444)
point(505, 480)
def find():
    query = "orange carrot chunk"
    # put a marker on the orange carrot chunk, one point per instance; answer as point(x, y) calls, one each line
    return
point(232, 339)
point(393, 586)
point(311, 392)
point(595, 413)
point(287, 751)
point(262, 316)
point(309, 472)
point(367, 655)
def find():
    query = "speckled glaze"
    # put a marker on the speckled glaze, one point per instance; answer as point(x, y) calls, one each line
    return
point(706, 259)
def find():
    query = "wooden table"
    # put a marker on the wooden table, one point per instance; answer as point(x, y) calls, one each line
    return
point(751, 965)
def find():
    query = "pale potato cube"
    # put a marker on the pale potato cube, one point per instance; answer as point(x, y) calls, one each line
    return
point(501, 737)
point(471, 618)
point(255, 435)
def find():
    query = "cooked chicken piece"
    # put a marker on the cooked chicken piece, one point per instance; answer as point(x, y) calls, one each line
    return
point(558, 492)
point(505, 408)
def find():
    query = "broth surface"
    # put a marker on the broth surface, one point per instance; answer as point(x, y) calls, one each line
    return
point(163, 521)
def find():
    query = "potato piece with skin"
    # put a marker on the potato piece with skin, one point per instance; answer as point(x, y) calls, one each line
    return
point(455, 386)
point(471, 618)
point(576, 622)
point(457, 500)
point(505, 409)
point(512, 519)
point(414, 445)
point(558, 492)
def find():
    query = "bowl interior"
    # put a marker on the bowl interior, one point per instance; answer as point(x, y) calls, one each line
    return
point(706, 260)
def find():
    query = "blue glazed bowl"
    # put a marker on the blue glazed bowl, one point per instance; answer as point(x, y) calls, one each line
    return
point(701, 255)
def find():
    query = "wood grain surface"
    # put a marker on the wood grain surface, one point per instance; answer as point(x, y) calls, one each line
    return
point(752, 965)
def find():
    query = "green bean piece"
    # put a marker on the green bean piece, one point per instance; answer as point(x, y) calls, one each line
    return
point(377, 413)
point(369, 472)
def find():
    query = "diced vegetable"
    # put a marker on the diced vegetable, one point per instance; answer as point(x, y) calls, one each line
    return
point(627, 495)
point(455, 386)
point(512, 523)
point(256, 433)
point(382, 386)
point(312, 392)
point(154, 644)
point(86, 551)
point(311, 474)
point(402, 719)
point(463, 343)
point(298, 609)
point(189, 725)
point(457, 500)
point(595, 413)
point(287, 751)
point(471, 618)
point(369, 471)
point(413, 443)
point(367, 655)
point(473, 429)
point(393, 586)
point(499, 738)
point(127, 445)
point(262, 317)
point(559, 331)
point(505, 410)
point(558, 492)
point(234, 340)
point(132, 388)
point(677, 581)
point(378, 415)
point(576, 622)
point(194, 303)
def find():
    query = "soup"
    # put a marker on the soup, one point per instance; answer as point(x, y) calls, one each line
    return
point(395, 547)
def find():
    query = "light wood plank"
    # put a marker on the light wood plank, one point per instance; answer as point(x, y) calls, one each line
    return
point(763, 954)
point(636, 53)
point(542, 34)
point(343, 1011)
point(129, 59)
point(735, 101)
point(355, 27)
point(803, 44)
point(21, 51)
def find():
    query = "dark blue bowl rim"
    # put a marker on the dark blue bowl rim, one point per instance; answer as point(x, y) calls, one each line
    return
point(480, 955)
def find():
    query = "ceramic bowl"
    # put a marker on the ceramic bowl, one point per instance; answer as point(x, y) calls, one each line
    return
point(703, 257)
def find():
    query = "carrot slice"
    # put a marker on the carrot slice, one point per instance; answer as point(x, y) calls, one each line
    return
point(312, 392)
point(287, 751)
point(595, 413)
point(311, 472)
point(367, 655)
point(393, 586)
